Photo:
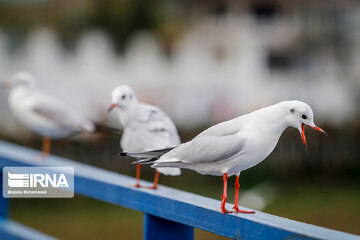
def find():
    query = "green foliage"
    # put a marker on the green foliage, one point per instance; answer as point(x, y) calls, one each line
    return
point(118, 19)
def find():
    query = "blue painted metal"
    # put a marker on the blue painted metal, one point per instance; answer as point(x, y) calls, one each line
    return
point(10, 230)
point(156, 228)
point(4, 202)
point(171, 204)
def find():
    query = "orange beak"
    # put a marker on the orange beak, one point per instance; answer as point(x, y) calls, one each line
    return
point(303, 132)
point(320, 130)
point(112, 106)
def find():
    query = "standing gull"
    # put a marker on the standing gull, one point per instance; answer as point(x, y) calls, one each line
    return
point(233, 146)
point(42, 113)
point(146, 128)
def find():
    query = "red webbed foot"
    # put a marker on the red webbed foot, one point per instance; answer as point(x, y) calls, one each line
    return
point(137, 185)
point(237, 210)
point(224, 210)
point(42, 157)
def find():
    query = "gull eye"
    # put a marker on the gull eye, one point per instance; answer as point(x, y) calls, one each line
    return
point(303, 116)
point(123, 96)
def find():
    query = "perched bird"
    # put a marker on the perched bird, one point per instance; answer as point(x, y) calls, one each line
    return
point(233, 146)
point(42, 113)
point(146, 128)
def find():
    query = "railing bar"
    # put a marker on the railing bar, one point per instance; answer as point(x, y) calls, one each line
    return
point(171, 204)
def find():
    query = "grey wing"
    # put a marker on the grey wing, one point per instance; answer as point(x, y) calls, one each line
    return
point(223, 129)
point(152, 129)
point(139, 139)
point(57, 112)
point(159, 123)
point(206, 149)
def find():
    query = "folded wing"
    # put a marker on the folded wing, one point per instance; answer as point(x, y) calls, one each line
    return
point(204, 149)
point(58, 113)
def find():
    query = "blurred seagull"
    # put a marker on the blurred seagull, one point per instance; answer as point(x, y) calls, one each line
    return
point(42, 113)
point(233, 146)
point(146, 128)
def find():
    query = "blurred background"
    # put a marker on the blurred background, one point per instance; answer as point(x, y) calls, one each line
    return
point(202, 62)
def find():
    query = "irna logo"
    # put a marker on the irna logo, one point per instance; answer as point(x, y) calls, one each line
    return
point(37, 180)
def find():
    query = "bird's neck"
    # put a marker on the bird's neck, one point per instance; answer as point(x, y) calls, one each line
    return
point(126, 115)
point(19, 92)
point(275, 118)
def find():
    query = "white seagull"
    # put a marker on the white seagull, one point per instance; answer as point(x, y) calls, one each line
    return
point(233, 146)
point(146, 128)
point(42, 113)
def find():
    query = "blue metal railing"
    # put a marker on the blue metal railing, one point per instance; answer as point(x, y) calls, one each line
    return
point(169, 213)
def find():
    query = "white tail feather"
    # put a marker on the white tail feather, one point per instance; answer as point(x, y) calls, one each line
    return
point(169, 171)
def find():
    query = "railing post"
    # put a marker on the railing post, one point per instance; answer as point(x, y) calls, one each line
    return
point(4, 202)
point(156, 228)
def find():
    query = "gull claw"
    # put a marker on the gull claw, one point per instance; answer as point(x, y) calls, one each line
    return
point(137, 185)
point(237, 210)
point(42, 156)
point(224, 210)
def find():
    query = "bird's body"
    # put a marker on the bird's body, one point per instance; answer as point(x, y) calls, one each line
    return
point(45, 115)
point(146, 128)
point(153, 125)
point(41, 113)
point(233, 146)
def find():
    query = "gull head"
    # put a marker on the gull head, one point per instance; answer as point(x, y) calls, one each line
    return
point(122, 97)
point(301, 115)
point(24, 79)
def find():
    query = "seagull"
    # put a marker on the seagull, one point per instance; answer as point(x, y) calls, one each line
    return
point(41, 113)
point(233, 146)
point(146, 128)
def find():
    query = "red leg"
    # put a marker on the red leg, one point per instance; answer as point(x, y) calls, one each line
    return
point(236, 204)
point(156, 180)
point(224, 196)
point(138, 170)
point(46, 145)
